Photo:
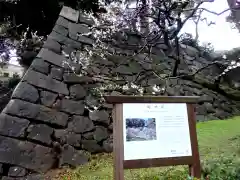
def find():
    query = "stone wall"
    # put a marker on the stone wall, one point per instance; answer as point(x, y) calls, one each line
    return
point(56, 117)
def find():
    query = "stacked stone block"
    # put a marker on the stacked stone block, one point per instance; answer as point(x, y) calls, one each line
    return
point(55, 118)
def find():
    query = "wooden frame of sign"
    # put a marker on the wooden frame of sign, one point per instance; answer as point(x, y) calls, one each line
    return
point(118, 140)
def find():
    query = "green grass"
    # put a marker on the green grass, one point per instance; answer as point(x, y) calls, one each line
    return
point(214, 137)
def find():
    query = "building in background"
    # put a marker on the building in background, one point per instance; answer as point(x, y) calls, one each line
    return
point(9, 70)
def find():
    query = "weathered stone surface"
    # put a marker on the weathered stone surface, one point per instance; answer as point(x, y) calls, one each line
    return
point(73, 78)
point(85, 40)
point(52, 57)
point(36, 112)
point(16, 171)
point(26, 92)
point(48, 98)
point(91, 146)
point(40, 132)
point(52, 45)
point(69, 13)
point(25, 154)
point(46, 82)
point(62, 22)
point(68, 137)
point(12, 126)
point(64, 40)
point(100, 116)
point(86, 20)
point(61, 30)
point(81, 124)
point(77, 29)
point(40, 65)
point(100, 133)
point(57, 73)
point(77, 92)
point(108, 144)
point(70, 106)
point(72, 157)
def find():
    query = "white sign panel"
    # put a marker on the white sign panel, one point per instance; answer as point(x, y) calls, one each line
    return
point(157, 130)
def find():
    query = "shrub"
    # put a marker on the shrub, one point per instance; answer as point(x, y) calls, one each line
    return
point(223, 167)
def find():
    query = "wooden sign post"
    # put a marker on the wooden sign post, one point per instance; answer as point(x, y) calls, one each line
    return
point(151, 131)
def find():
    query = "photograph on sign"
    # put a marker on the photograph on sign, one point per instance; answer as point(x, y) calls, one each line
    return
point(140, 129)
point(158, 130)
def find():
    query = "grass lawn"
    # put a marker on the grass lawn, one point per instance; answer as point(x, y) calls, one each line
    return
point(214, 138)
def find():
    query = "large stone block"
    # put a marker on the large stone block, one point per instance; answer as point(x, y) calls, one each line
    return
point(40, 132)
point(64, 40)
point(25, 154)
point(72, 78)
point(62, 22)
point(100, 116)
point(52, 45)
point(52, 57)
point(12, 126)
point(45, 82)
point(36, 112)
point(40, 65)
point(60, 29)
point(69, 13)
point(66, 136)
point(81, 124)
point(72, 157)
point(77, 92)
point(26, 92)
point(48, 98)
point(70, 106)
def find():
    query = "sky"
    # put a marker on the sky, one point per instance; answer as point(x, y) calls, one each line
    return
point(221, 35)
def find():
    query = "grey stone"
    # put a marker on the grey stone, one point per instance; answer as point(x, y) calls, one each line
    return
point(85, 40)
point(77, 29)
point(221, 114)
point(122, 69)
point(81, 124)
point(86, 20)
point(48, 98)
point(52, 45)
point(36, 112)
point(26, 92)
point(108, 145)
point(68, 137)
point(52, 57)
point(62, 22)
point(70, 106)
point(100, 133)
point(57, 73)
point(100, 116)
point(40, 132)
point(25, 154)
point(40, 65)
point(61, 30)
point(205, 98)
point(209, 107)
point(91, 146)
point(45, 82)
point(77, 92)
point(73, 78)
point(72, 157)
point(16, 171)
point(64, 40)
point(12, 126)
point(69, 13)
